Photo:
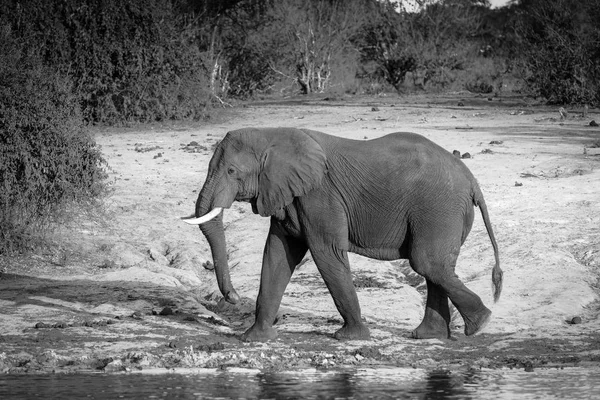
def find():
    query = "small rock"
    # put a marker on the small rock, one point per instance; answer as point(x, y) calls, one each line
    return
point(60, 325)
point(100, 363)
point(137, 315)
point(108, 264)
point(141, 359)
point(166, 311)
point(563, 113)
point(528, 366)
point(466, 155)
point(576, 320)
point(114, 366)
point(193, 143)
point(208, 265)
point(41, 325)
point(375, 109)
point(157, 256)
point(456, 153)
point(210, 347)
point(461, 104)
point(48, 357)
point(126, 255)
point(496, 142)
point(518, 183)
point(593, 123)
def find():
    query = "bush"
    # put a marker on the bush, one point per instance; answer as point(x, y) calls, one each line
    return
point(479, 85)
point(249, 73)
point(129, 60)
point(433, 44)
point(48, 162)
point(561, 52)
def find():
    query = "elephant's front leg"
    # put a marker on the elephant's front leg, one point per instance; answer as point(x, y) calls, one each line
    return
point(281, 256)
point(335, 269)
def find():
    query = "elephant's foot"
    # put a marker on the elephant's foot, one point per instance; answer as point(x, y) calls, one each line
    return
point(353, 332)
point(476, 323)
point(254, 334)
point(431, 330)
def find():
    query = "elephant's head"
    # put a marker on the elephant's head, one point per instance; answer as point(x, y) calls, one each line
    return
point(266, 167)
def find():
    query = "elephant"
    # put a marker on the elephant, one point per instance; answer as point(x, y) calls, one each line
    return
point(399, 196)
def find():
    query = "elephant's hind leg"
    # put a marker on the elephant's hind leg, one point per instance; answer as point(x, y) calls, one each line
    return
point(436, 321)
point(440, 275)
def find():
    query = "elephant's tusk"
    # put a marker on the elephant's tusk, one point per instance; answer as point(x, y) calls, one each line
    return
point(205, 218)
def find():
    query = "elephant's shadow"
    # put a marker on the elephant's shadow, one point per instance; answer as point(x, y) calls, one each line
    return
point(240, 317)
point(293, 325)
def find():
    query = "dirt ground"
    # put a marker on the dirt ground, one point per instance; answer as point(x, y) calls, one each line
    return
point(132, 289)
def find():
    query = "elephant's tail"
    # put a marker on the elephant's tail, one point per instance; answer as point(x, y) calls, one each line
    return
point(496, 271)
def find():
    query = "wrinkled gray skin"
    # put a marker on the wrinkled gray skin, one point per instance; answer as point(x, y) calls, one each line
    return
point(399, 196)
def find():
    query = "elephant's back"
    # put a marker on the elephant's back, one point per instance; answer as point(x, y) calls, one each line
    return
point(400, 159)
point(407, 143)
point(412, 148)
point(407, 151)
point(421, 171)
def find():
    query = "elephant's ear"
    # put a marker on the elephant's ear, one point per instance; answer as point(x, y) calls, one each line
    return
point(292, 165)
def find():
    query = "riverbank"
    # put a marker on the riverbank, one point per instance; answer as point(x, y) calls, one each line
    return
point(132, 289)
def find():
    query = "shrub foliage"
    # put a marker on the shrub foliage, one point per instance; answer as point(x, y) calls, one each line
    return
point(562, 49)
point(48, 161)
point(129, 60)
point(65, 64)
point(171, 59)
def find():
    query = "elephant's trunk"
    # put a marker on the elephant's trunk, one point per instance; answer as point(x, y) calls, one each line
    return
point(214, 232)
point(215, 235)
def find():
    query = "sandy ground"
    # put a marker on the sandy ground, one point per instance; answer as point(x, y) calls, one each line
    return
point(129, 291)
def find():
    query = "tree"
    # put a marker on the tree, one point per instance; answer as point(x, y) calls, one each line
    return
point(316, 35)
point(438, 39)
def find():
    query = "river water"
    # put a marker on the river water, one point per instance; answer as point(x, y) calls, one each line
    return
point(384, 383)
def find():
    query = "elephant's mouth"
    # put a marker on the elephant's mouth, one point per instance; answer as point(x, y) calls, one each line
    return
point(248, 199)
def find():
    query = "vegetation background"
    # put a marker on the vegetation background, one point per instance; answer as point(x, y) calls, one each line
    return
point(67, 65)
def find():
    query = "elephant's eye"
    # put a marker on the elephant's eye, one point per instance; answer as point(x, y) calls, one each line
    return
point(231, 171)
